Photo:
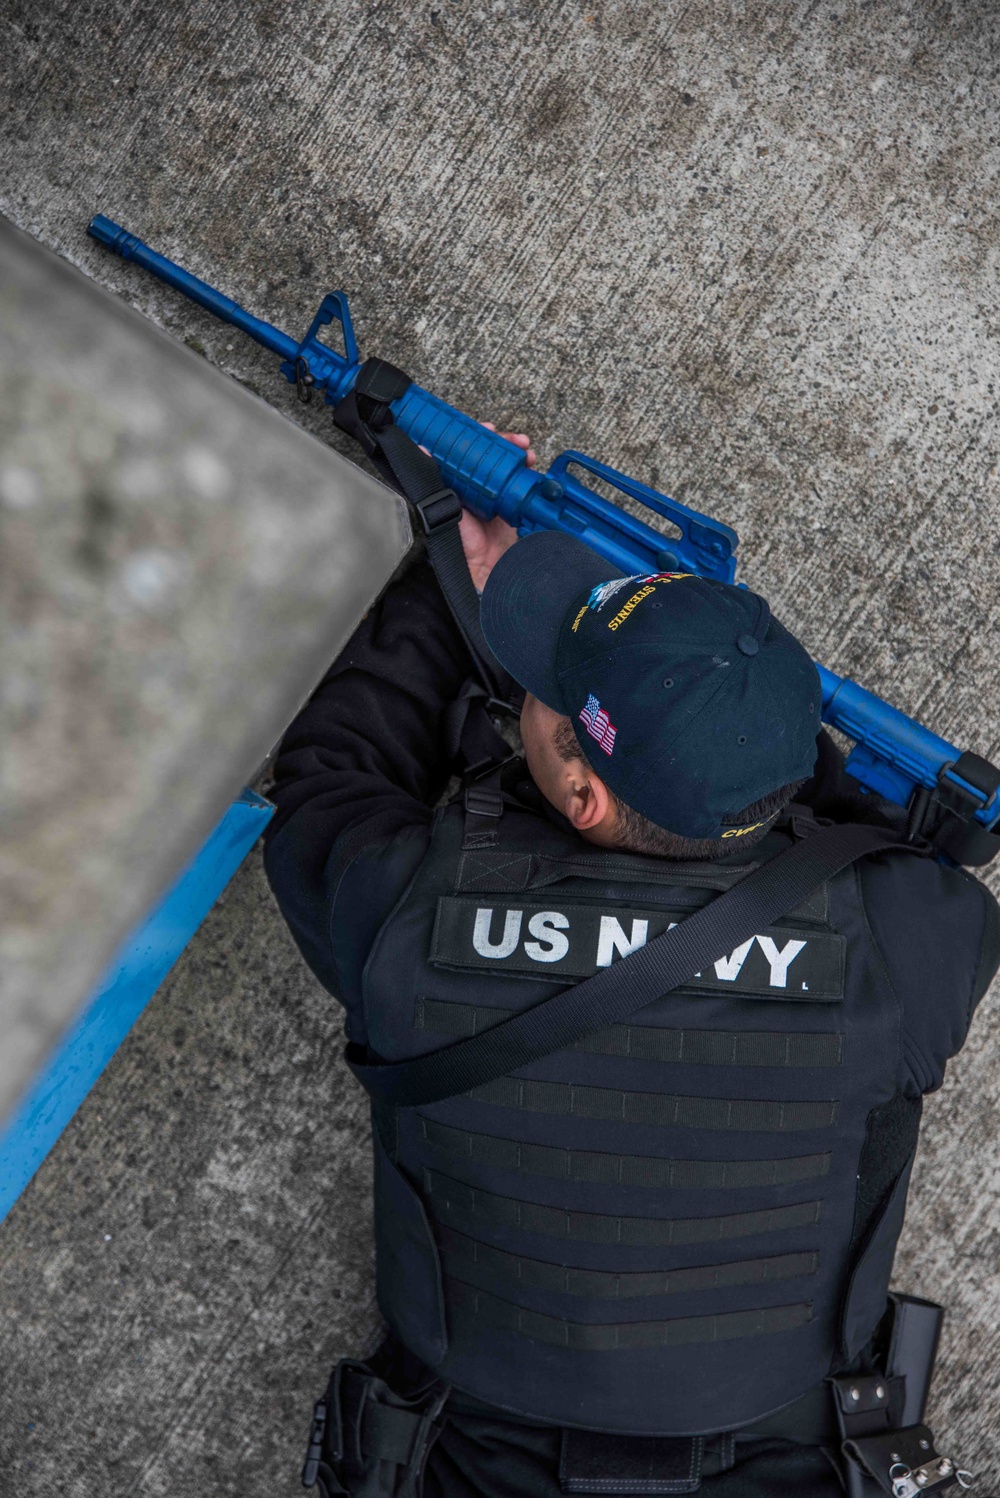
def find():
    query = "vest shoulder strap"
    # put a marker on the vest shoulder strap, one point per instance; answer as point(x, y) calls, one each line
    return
point(763, 897)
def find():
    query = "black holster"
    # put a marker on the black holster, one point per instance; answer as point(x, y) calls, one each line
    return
point(886, 1447)
point(366, 1440)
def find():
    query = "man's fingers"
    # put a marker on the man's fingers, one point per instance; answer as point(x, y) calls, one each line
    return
point(519, 439)
point(522, 440)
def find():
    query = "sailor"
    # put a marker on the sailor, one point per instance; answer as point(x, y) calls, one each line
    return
point(654, 1257)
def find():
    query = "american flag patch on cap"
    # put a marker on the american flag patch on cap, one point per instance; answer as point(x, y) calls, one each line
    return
point(598, 724)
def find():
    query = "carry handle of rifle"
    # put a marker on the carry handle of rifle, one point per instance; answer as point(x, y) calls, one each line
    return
point(701, 533)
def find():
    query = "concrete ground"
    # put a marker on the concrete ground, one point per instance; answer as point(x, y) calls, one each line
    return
point(746, 251)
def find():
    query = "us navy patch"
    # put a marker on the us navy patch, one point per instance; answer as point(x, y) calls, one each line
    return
point(575, 941)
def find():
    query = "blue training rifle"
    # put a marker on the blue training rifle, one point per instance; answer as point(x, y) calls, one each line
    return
point(950, 795)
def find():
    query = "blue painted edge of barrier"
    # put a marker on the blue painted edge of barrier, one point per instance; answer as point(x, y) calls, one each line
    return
point(124, 990)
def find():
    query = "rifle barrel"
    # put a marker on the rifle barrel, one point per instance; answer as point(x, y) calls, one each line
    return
point(122, 243)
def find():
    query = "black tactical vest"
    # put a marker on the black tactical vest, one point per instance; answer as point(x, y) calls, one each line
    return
point(654, 1232)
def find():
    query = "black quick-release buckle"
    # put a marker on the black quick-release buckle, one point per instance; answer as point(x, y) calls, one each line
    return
point(440, 509)
point(314, 1454)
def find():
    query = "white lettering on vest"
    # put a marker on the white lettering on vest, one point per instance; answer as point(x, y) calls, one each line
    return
point(729, 967)
point(547, 925)
point(612, 939)
point(507, 943)
point(779, 961)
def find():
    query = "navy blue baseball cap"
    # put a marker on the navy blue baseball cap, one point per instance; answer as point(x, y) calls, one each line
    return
point(689, 699)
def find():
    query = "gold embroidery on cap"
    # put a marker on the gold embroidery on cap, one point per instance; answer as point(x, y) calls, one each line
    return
point(623, 614)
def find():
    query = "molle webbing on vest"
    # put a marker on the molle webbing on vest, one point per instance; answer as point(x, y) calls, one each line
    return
point(649, 1043)
point(658, 1109)
point(628, 1335)
point(460, 1206)
point(619, 1170)
point(463, 1255)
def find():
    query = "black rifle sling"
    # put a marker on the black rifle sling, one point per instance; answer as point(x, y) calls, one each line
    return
point(631, 983)
point(365, 415)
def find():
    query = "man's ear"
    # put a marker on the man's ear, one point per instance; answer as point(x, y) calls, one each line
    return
point(587, 802)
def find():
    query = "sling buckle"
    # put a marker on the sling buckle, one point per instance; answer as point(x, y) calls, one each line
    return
point(438, 510)
point(483, 801)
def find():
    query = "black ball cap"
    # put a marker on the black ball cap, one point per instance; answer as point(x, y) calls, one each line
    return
point(690, 700)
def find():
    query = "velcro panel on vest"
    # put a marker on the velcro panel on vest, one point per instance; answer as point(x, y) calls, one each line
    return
point(652, 1043)
point(744, 1115)
point(458, 1205)
point(608, 1169)
point(622, 1336)
point(591, 1461)
point(576, 941)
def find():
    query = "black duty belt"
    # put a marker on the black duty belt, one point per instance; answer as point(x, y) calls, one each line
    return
point(370, 1442)
point(810, 1421)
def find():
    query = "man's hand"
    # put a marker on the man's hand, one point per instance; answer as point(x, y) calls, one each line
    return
point(485, 541)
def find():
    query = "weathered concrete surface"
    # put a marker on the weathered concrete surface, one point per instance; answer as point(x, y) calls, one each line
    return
point(748, 251)
point(174, 1277)
point(176, 563)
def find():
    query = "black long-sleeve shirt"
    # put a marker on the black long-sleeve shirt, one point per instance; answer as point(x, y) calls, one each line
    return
point(365, 762)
